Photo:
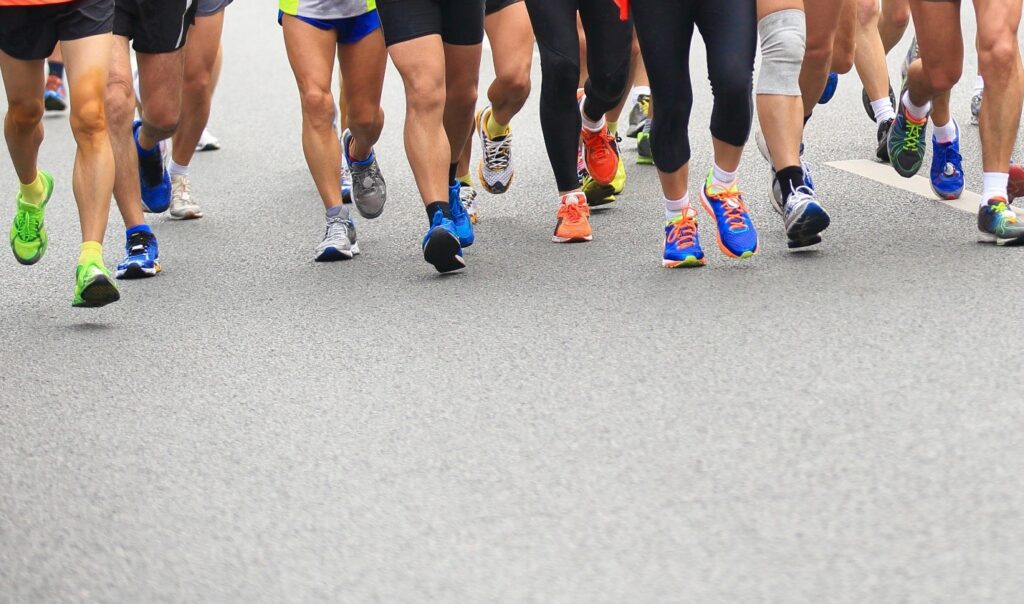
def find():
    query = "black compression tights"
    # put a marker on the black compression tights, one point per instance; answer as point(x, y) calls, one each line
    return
point(729, 29)
point(608, 44)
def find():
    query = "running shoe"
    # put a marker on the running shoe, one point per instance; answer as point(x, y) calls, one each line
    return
point(207, 142)
point(495, 169)
point(154, 180)
point(142, 257)
point(600, 155)
point(907, 60)
point(369, 191)
point(600, 195)
point(947, 172)
point(867, 102)
point(94, 287)
point(976, 107)
point(830, 88)
point(1015, 183)
point(441, 245)
point(346, 182)
point(638, 115)
point(183, 207)
point(737, 237)
point(644, 154)
point(28, 233)
point(682, 244)
point(461, 221)
point(907, 143)
point(998, 223)
point(467, 195)
point(573, 219)
point(339, 242)
point(805, 218)
point(775, 190)
point(882, 150)
point(55, 98)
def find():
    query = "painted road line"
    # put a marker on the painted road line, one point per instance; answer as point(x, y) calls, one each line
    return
point(885, 174)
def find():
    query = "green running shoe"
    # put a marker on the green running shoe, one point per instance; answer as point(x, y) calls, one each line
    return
point(28, 234)
point(644, 155)
point(94, 286)
point(998, 223)
point(907, 142)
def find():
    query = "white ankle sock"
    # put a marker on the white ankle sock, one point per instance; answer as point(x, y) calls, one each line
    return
point(588, 123)
point(722, 178)
point(918, 112)
point(675, 207)
point(979, 84)
point(947, 133)
point(993, 185)
point(883, 110)
point(175, 169)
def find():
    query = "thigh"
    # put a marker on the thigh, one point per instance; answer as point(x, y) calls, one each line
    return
point(420, 62)
point(160, 81)
point(88, 64)
point(362, 65)
point(609, 38)
point(462, 67)
point(511, 38)
point(23, 80)
point(729, 30)
point(935, 16)
point(997, 18)
point(405, 20)
point(554, 25)
point(310, 53)
point(203, 45)
point(161, 26)
point(822, 22)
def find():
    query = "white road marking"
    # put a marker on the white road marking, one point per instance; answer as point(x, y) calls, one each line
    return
point(885, 174)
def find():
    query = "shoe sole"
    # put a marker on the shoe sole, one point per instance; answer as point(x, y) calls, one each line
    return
point(442, 250)
point(34, 259)
point(186, 215)
point(689, 262)
point(582, 239)
point(333, 254)
point(999, 241)
point(134, 271)
point(806, 230)
point(634, 130)
point(718, 235)
point(495, 189)
point(100, 292)
point(54, 104)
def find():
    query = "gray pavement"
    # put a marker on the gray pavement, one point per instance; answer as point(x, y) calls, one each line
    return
point(555, 424)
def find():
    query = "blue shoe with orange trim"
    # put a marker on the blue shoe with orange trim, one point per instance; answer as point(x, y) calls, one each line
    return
point(737, 237)
point(682, 244)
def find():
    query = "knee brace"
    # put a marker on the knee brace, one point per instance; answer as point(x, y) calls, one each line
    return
point(783, 40)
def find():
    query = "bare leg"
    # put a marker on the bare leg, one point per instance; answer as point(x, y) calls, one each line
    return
point(201, 57)
point(23, 125)
point(999, 62)
point(462, 73)
point(364, 62)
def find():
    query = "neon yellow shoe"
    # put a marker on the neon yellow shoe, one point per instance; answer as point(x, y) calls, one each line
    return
point(94, 286)
point(28, 234)
point(600, 195)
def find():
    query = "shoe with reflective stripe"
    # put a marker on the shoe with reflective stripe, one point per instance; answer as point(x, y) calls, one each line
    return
point(154, 181)
point(461, 221)
point(339, 242)
point(467, 195)
point(142, 257)
point(805, 218)
point(947, 171)
point(28, 232)
point(441, 245)
point(495, 169)
point(369, 190)
point(638, 115)
point(573, 219)
point(183, 207)
point(737, 237)
point(94, 287)
point(907, 142)
point(998, 224)
point(682, 244)
point(600, 155)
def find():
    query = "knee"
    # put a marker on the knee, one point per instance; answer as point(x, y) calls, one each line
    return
point(560, 72)
point(997, 55)
point(896, 14)
point(88, 120)
point(516, 83)
point(783, 42)
point(732, 86)
point(842, 60)
point(867, 12)
point(317, 105)
point(426, 94)
point(197, 84)
point(161, 120)
point(363, 117)
point(120, 102)
point(942, 76)
point(26, 115)
point(818, 52)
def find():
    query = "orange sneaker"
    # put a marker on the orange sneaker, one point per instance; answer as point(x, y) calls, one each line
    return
point(573, 219)
point(601, 155)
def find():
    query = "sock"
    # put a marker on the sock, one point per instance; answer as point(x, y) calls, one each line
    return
point(918, 112)
point(789, 178)
point(176, 169)
point(57, 69)
point(722, 178)
point(139, 228)
point(883, 110)
point(613, 127)
point(947, 133)
point(979, 84)
point(35, 191)
point(465, 180)
point(493, 128)
point(357, 162)
point(675, 207)
point(589, 124)
point(452, 169)
point(994, 185)
point(339, 210)
point(432, 209)
point(91, 251)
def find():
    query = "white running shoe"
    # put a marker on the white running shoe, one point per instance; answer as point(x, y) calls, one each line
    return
point(183, 207)
point(208, 142)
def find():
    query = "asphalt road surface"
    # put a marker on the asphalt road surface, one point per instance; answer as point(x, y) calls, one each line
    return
point(558, 423)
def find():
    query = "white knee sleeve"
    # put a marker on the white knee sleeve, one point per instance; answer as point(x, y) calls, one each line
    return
point(783, 39)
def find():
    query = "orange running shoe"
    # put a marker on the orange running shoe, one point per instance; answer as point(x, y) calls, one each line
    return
point(573, 219)
point(601, 155)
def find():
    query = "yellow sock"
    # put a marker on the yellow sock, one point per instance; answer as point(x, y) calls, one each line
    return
point(613, 128)
point(493, 128)
point(91, 251)
point(465, 179)
point(35, 191)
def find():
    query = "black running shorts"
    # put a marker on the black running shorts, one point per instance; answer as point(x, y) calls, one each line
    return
point(494, 6)
point(459, 22)
point(154, 26)
point(30, 33)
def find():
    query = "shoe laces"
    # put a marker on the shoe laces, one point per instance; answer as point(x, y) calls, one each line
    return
point(370, 177)
point(574, 212)
point(799, 195)
point(337, 226)
point(683, 231)
point(181, 189)
point(498, 152)
point(27, 225)
point(952, 157)
point(912, 137)
point(598, 144)
point(735, 210)
point(138, 244)
point(644, 103)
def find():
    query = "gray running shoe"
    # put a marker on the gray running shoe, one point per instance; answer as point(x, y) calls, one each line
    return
point(467, 195)
point(976, 108)
point(638, 115)
point(183, 207)
point(805, 218)
point(907, 60)
point(339, 239)
point(369, 191)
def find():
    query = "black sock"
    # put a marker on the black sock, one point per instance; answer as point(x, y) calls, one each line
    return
point(57, 69)
point(807, 118)
point(452, 169)
point(432, 209)
point(789, 179)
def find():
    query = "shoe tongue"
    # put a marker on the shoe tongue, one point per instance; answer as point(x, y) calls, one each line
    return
point(574, 198)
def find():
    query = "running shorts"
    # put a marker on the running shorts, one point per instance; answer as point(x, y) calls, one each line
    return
point(459, 22)
point(350, 30)
point(207, 8)
point(494, 6)
point(154, 26)
point(30, 33)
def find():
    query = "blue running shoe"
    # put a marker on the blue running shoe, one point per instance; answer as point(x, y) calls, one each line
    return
point(947, 174)
point(830, 88)
point(682, 245)
point(441, 245)
point(142, 257)
point(460, 217)
point(154, 180)
point(737, 237)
